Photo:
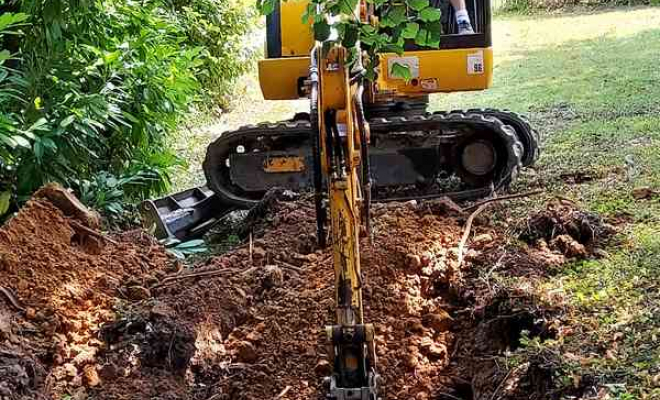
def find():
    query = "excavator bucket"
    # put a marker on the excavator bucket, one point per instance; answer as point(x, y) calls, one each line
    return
point(184, 215)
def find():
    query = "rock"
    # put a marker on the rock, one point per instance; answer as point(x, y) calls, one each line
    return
point(258, 252)
point(600, 253)
point(254, 337)
point(91, 376)
point(439, 321)
point(30, 313)
point(436, 351)
point(246, 353)
point(162, 310)
point(138, 293)
point(70, 369)
point(414, 261)
point(415, 326)
point(323, 368)
point(644, 193)
point(273, 277)
point(483, 238)
point(426, 259)
point(411, 360)
point(569, 246)
point(69, 204)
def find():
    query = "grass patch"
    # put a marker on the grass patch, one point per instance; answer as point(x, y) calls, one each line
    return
point(589, 83)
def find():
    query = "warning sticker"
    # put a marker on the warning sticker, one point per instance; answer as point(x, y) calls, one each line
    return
point(411, 62)
point(475, 63)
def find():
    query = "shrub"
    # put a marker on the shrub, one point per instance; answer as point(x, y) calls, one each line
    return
point(101, 83)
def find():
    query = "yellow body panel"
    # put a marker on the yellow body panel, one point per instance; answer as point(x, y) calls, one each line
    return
point(297, 37)
point(440, 71)
point(279, 77)
point(437, 71)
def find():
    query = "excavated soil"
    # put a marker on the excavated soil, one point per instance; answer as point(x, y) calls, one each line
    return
point(65, 287)
point(116, 321)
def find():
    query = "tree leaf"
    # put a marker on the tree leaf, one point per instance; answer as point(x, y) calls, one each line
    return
point(430, 14)
point(350, 36)
point(348, 6)
point(410, 31)
point(418, 5)
point(21, 141)
point(394, 17)
point(5, 201)
point(401, 71)
point(321, 31)
point(39, 125)
point(67, 121)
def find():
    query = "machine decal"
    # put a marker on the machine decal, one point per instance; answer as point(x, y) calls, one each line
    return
point(475, 63)
point(411, 62)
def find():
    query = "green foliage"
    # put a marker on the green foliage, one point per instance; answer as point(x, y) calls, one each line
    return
point(400, 21)
point(220, 26)
point(97, 85)
point(189, 248)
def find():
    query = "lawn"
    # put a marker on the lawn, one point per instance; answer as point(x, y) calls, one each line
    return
point(591, 84)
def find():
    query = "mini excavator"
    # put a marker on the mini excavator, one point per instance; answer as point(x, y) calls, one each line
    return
point(362, 141)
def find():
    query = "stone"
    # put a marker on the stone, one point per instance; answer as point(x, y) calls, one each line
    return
point(483, 238)
point(246, 353)
point(439, 321)
point(273, 277)
point(414, 261)
point(323, 368)
point(91, 376)
point(411, 360)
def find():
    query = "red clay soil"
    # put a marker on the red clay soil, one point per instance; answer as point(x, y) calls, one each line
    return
point(248, 325)
point(67, 286)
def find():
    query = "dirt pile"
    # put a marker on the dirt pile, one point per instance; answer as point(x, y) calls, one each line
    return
point(61, 282)
point(257, 316)
point(114, 321)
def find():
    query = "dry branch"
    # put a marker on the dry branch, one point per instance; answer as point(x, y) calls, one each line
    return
point(91, 232)
point(482, 205)
point(10, 296)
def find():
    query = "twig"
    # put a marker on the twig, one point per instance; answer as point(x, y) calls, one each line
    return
point(497, 389)
point(509, 197)
point(10, 296)
point(479, 208)
point(449, 396)
point(289, 266)
point(466, 235)
point(283, 392)
point(195, 275)
point(91, 232)
point(251, 249)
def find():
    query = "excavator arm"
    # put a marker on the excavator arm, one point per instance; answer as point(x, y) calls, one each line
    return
point(340, 163)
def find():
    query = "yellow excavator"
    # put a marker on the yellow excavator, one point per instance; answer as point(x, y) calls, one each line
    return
point(363, 140)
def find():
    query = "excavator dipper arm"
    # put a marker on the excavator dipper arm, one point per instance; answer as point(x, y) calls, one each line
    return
point(351, 341)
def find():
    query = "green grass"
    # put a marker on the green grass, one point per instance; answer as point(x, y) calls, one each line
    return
point(591, 84)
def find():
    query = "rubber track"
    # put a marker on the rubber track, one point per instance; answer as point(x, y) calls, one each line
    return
point(528, 136)
point(299, 131)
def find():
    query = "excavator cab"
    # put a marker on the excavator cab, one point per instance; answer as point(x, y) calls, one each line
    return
point(460, 63)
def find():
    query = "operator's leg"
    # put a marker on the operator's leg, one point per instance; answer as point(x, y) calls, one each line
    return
point(462, 17)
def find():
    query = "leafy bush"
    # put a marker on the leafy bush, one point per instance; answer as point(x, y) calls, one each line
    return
point(101, 83)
